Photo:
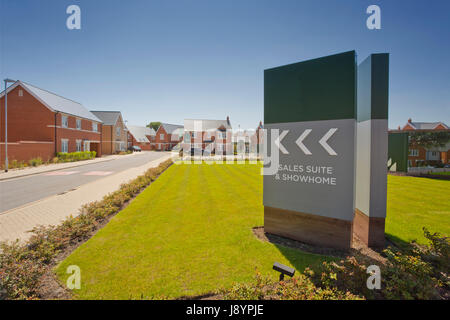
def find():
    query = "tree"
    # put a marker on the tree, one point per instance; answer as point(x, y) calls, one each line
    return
point(155, 125)
point(434, 139)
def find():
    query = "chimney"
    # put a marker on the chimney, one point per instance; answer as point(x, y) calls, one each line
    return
point(398, 128)
point(260, 123)
point(228, 119)
point(409, 120)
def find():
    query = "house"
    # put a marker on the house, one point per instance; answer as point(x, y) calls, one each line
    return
point(208, 136)
point(114, 131)
point(247, 141)
point(419, 155)
point(168, 136)
point(42, 123)
point(142, 137)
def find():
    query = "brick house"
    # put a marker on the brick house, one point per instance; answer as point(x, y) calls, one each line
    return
point(42, 123)
point(419, 155)
point(143, 137)
point(114, 131)
point(168, 136)
point(247, 141)
point(208, 136)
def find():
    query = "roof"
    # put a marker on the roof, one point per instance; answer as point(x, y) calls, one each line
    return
point(426, 125)
point(205, 125)
point(109, 118)
point(55, 102)
point(173, 128)
point(140, 133)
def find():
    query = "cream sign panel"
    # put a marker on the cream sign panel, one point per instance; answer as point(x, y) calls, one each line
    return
point(315, 169)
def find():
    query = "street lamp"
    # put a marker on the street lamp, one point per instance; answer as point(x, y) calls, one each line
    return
point(6, 123)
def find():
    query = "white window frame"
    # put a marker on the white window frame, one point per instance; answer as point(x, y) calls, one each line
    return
point(88, 144)
point(161, 136)
point(64, 121)
point(187, 137)
point(78, 124)
point(95, 126)
point(79, 145)
point(118, 131)
point(413, 152)
point(64, 145)
point(20, 93)
point(223, 135)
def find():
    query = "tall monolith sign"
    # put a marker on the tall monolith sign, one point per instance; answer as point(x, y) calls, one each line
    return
point(311, 108)
point(372, 149)
point(312, 104)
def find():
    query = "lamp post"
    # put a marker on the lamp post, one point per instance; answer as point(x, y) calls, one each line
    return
point(6, 123)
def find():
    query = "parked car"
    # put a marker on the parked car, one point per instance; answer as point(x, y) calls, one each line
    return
point(135, 149)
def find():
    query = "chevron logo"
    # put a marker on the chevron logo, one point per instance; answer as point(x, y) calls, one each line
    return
point(323, 142)
point(392, 166)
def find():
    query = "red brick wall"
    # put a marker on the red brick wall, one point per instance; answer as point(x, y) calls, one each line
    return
point(24, 151)
point(28, 119)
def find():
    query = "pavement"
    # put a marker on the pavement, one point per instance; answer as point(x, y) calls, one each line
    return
point(28, 171)
point(52, 210)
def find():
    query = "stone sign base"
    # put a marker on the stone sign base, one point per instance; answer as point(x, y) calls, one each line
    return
point(369, 230)
point(309, 228)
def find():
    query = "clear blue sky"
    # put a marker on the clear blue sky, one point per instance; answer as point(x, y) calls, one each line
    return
point(169, 60)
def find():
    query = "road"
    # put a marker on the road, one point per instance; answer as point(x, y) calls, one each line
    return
point(20, 191)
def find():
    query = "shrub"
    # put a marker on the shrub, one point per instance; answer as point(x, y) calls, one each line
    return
point(297, 288)
point(75, 156)
point(35, 162)
point(417, 272)
point(22, 265)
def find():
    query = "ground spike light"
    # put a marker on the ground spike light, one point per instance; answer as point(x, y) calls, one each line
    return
point(283, 270)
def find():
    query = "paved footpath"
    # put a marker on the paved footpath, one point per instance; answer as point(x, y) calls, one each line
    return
point(15, 223)
point(28, 171)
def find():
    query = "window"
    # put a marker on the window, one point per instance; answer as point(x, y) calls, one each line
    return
point(79, 145)
point(409, 163)
point(161, 136)
point(20, 93)
point(64, 121)
point(118, 131)
point(79, 124)
point(94, 127)
point(414, 153)
point(64, 145)
point(223, 134)
point(86, 146)
point(187, 137)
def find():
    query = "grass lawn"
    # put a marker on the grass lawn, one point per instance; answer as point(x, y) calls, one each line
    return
point(414, 203)
point(189, 233)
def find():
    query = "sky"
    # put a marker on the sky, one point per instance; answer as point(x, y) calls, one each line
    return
point(169, 60)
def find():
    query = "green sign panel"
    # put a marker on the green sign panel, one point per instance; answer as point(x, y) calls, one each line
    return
point(398, 151)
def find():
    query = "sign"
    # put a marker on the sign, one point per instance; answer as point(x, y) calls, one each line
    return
point(312, 104)
point(398, 151)
point(371, 149)
point(328, 123)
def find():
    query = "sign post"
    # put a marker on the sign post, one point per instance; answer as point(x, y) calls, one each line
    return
point(311, 107)
point(371, 150)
